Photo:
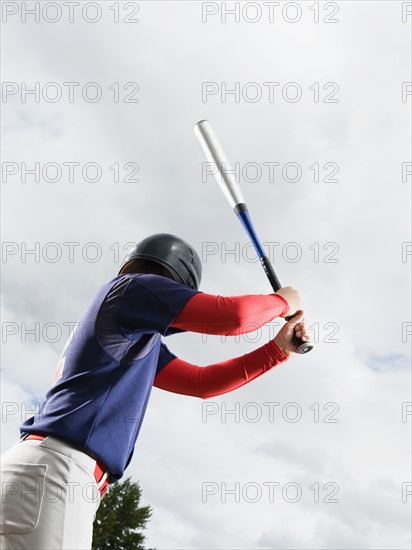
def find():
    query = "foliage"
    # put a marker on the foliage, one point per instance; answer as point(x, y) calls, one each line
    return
point(120, 520)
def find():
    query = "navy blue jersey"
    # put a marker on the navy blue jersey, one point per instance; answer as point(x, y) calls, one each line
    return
point(106, 371)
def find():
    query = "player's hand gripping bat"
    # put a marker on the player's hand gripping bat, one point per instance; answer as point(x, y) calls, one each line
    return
point(231, 190)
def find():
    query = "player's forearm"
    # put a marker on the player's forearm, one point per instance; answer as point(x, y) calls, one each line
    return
point(229, 316)
point(205, 382)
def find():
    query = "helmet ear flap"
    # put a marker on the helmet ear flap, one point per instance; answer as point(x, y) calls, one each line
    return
point(172, 253)
point(189, 280)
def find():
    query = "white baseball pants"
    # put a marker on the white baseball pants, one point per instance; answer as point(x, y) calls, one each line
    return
point(49, 497)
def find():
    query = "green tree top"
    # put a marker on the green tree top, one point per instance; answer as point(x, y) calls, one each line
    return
point(119, 519)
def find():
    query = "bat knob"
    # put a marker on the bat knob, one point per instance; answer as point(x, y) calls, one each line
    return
point(305, 347)
point(302, 346)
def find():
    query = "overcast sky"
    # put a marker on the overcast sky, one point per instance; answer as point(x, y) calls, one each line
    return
point(317, 455)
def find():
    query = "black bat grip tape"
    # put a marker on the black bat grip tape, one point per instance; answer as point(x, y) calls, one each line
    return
point(302, 346)
point(270, 273)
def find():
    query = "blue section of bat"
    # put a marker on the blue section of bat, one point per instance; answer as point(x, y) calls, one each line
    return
point(244, 217)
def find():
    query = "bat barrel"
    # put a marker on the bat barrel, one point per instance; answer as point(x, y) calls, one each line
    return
point(214, 153)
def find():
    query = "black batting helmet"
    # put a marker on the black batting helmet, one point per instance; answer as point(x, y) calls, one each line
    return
point(173, 253)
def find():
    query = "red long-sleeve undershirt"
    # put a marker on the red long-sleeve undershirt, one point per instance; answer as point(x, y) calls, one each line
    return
point(227, 316)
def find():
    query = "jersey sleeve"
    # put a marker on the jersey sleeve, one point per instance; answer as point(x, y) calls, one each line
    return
point(181, 377)
point(165, 357)
point(231, 315)
point(151, 303)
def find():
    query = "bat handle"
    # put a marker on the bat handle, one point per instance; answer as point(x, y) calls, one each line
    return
point(270, 273)
point(302, 346)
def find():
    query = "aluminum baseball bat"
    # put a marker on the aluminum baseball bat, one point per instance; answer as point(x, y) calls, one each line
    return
point(225, 178)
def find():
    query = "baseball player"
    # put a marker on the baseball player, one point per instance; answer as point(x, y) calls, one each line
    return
point(83, 436)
